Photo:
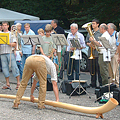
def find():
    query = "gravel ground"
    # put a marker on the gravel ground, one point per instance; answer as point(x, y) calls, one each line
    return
point(29, 111)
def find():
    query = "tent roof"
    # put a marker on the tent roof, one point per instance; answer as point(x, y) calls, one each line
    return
point(8, 15)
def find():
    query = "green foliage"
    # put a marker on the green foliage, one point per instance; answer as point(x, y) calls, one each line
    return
point(68, 11)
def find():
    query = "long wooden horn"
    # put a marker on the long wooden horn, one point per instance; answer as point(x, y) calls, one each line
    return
point(111, 104)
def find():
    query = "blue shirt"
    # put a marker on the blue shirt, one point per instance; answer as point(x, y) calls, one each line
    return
point(27, 49)
point(116, 37)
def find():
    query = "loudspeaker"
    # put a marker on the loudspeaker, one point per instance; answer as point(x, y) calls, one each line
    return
point(98, 94)
point(116, 94)
point(71, 86)
point(49, 85)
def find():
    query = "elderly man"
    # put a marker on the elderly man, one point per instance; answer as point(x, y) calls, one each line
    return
point(75, 64)
point(41, 65)
point(103, 64)
point(113, 66)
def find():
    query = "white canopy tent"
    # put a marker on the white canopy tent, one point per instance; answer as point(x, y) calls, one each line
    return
point(11, 16)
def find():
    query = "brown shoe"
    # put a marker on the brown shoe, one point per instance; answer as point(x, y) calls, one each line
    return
point(15, 106)
point(41, 107)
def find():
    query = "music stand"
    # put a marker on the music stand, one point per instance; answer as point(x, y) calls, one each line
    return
point(4, 38)
point(60, 41)
point(32, 40)
point(75, 43)
point(107, 46)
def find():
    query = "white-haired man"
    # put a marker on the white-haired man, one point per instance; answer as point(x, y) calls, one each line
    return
point(113, 66)
point(74, 34)
point(103, 64)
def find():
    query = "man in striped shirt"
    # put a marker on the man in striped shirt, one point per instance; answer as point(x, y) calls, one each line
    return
point(8, 58)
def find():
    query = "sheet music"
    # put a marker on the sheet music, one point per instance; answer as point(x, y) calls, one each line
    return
point(59, 39)
point(75, 43)
point(105, 42)
point(106, 56)
point(77, 53)
point(32, 39)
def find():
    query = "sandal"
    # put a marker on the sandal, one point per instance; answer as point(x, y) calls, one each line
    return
point(6, 87)
point(17, 86)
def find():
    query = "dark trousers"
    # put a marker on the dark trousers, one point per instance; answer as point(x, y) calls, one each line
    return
point(95, 72)
point(71, 66)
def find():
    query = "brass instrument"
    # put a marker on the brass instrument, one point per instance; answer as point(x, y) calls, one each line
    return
point(111, 104)
point(14, 34)
point(87, 26)
point(69, 64)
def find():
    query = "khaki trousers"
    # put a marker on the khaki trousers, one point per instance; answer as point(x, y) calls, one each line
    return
point(34, 64)
point(114, 70)
point(103, 69)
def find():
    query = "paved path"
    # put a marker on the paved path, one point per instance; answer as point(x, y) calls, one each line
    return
point(29, 111)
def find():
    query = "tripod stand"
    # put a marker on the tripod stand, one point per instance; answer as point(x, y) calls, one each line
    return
point(75, 43)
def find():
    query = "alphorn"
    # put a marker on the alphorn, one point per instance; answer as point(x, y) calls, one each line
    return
point(111, 104)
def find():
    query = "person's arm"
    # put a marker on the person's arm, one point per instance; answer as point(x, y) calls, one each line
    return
point(12, 44)
point(41, 50)
point(55, 89)
point(32, 90)
point(95, 42)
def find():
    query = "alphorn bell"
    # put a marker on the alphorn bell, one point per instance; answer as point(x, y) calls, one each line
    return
point(111, 104)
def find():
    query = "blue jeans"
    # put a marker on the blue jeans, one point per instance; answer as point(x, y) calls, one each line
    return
point(24, 57)
point(73, 67)
point(5, 60)
point(20, 67)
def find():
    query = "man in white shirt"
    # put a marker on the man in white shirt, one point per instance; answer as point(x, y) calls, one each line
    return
point(113, 66)
point(103, 64)
point(74, 34)
point(41, 65)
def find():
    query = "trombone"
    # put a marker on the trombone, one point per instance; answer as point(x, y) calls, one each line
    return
point(15, 35)
point(73, 57)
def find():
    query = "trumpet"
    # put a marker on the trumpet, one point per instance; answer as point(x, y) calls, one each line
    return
point(14, 34)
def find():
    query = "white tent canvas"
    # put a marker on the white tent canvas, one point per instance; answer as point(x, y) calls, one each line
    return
point(8, 15)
